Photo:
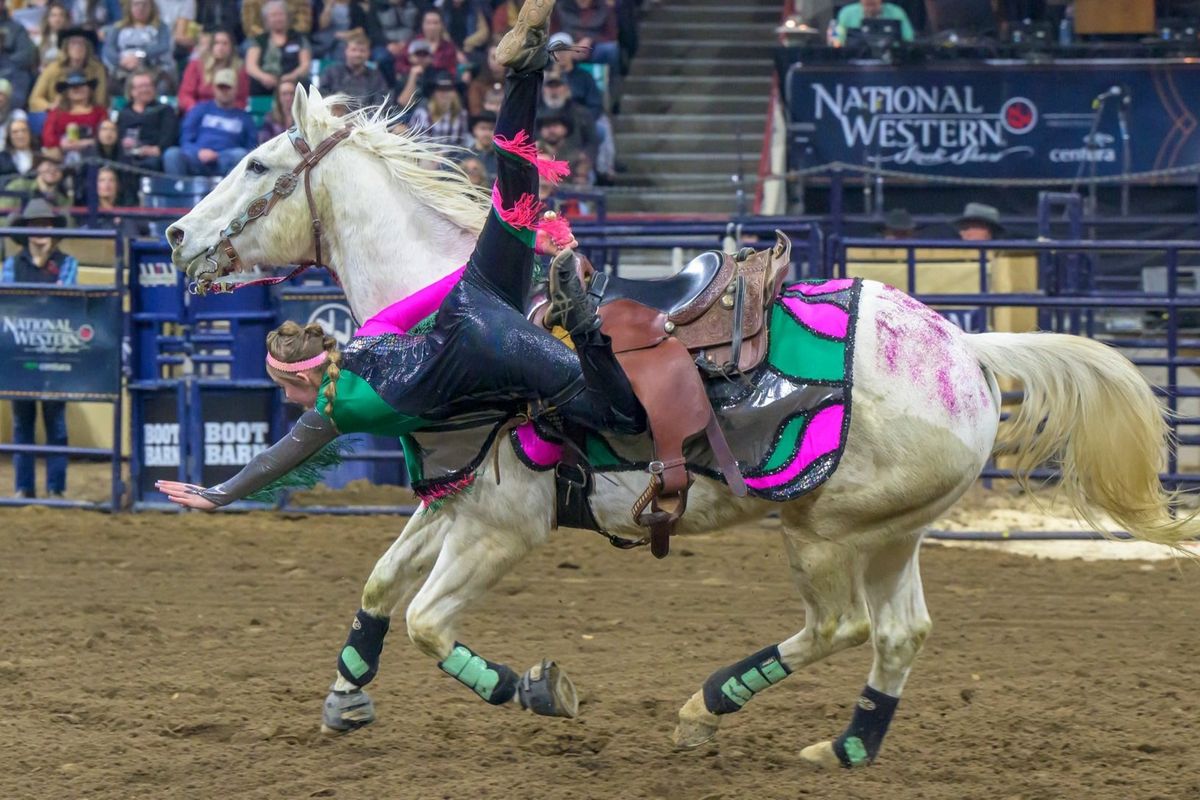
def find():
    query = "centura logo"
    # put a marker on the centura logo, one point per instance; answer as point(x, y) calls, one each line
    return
point(925, 125)
point(47, 335)
point(337, 321)
point(1100, 149)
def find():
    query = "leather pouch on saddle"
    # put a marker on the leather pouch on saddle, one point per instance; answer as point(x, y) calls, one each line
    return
point(709, 317)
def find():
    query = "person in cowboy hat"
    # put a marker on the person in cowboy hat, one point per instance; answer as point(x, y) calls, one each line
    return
point(442, 117)
point(39, 261)
point(898, 224)
point(76, 53)
point(979, 223)
point(555, 129)
point(71, 127)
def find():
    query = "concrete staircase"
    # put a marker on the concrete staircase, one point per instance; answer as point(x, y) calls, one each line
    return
point(694, 105)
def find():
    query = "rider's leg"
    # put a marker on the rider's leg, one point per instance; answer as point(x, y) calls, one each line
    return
point(502, 262)
point(503, 257)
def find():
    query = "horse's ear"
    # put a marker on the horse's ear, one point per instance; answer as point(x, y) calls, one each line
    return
point(300, 111)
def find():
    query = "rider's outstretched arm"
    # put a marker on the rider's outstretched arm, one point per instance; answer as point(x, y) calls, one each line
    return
point(310, 433)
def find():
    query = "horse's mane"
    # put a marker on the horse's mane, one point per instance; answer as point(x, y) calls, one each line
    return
point(426, 167)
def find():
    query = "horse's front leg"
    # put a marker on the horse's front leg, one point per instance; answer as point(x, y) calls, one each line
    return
point(491, 535)
point(395, 579)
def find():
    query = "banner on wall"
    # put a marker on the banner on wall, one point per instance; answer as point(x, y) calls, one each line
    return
point(994, 120)
point(326, 306)
point(61, 343)
point(234, 427)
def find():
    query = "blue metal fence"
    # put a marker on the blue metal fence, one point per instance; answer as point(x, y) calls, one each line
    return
point(99, 314)
point(1070, 299)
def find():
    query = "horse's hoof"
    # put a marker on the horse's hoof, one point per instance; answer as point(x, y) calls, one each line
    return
point(545, 689)
point(697, 725)
point(821, 756)
point(346, 711)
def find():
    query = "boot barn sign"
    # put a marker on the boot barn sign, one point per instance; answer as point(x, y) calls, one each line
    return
point(996, 119)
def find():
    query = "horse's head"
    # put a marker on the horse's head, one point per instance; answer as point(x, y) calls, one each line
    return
point(259, 213)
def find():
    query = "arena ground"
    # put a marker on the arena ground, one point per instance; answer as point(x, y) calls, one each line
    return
point(186, 656)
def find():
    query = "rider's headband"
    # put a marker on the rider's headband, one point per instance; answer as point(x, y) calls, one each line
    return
point(296, 366)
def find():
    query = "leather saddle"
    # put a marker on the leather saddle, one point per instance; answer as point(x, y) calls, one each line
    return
point(708, 319)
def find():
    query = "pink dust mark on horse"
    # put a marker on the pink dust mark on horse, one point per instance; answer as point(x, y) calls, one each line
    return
point(916, 340)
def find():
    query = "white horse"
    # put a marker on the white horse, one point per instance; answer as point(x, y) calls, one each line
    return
point(925, 421)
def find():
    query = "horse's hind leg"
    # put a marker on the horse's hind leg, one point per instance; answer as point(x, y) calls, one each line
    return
point(395, 579)
point(827, 575)
point(900, 623)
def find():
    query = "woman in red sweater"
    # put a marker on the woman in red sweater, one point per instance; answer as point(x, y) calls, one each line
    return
point(71, 125)
point(196, 86)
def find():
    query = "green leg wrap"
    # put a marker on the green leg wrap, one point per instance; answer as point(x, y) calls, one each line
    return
point(495, 683)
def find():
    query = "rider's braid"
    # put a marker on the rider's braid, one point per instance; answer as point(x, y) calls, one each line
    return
point(290, 343)
point(329, 344)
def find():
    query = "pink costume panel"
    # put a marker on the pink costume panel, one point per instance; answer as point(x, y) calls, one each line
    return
point(824, 318)
point(821, 437)
point(400, 316)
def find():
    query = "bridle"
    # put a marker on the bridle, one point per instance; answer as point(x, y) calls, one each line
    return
point(261, 206)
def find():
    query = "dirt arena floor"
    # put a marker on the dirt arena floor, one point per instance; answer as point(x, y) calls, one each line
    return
point(186, 656)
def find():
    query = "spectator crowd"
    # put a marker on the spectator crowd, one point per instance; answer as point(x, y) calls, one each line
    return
point(188, 87)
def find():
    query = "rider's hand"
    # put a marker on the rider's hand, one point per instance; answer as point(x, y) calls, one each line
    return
point(545, 246)
point(185, 494)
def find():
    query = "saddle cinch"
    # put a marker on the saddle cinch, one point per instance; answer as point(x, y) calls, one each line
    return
point(707, 320)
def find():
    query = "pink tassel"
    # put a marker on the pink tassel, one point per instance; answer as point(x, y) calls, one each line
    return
point(524, 147)
point(524, 214)
point(556, 229)
point(551, 170)
point(520, 145)
point(443, 490)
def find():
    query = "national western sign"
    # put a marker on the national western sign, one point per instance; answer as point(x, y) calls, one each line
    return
point(999, 120)
point(60, 342)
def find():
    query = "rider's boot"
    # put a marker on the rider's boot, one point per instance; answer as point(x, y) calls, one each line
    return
point(573, 307)
point(524, 47)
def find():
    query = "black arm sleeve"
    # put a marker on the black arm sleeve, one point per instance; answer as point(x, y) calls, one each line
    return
point(310, 433)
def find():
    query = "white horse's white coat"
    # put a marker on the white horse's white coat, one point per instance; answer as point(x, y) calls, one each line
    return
point(924, 422)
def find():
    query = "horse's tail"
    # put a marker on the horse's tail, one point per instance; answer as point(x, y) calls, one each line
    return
point(1089, 407)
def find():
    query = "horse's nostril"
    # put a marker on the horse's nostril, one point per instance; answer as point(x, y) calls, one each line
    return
point(175, 235)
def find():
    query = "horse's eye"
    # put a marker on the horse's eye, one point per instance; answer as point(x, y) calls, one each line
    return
point(257, 167)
